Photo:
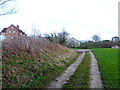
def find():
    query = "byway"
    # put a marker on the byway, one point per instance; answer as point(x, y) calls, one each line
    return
point(95, 76)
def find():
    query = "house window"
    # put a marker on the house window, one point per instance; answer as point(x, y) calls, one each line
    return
point(14, 31)
point(10, 31)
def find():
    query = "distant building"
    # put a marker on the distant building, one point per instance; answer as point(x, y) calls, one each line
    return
point(12, 32)
point(115, 39)
point(72, 42)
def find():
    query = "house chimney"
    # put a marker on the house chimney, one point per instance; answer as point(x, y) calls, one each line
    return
point(17, 26)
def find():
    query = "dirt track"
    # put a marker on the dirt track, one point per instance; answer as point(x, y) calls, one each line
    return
point(95, 77)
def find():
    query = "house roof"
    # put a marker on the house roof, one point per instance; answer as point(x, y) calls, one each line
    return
point(73, 39)
point(4, 30)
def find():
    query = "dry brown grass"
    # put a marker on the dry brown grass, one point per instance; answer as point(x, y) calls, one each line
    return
point(28, 45)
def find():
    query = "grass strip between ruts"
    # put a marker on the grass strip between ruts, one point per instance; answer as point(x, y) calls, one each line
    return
point(80, 79)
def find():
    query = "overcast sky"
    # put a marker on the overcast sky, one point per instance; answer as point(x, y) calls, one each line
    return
point(81, 18)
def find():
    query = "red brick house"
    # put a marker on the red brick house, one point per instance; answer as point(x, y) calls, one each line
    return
point(12, 32)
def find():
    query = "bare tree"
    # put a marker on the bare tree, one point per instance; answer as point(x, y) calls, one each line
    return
point(63, 36)
point(52, 37)
point(60, 37)
point(35, 31)
point(6, 8)
point(96, 38)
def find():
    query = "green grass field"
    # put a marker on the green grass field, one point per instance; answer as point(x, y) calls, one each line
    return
point(108, 63)
point(80, 78)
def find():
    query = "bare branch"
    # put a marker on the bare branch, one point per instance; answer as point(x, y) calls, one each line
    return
point(5, 10)
point(9, 12)
point(4, 2)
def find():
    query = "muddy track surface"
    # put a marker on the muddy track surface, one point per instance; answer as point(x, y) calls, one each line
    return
point(95, 76)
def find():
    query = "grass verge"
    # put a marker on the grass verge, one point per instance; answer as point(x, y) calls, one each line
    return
point(80, 79)
point(108, 63)
point(35, 72)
